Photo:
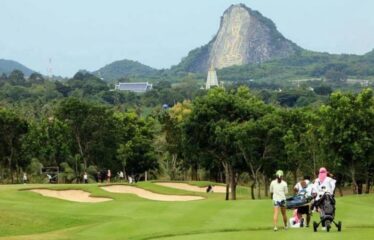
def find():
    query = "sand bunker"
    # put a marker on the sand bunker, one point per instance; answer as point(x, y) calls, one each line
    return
point(149, 195)
point(188, 187)
point(71, 195)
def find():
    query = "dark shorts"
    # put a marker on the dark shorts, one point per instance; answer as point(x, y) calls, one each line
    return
point(303, 210)
point(280, 203)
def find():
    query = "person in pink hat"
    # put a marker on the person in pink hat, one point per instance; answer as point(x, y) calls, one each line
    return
point(324, 183)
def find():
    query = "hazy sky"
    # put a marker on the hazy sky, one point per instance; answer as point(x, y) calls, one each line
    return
point(88, 34)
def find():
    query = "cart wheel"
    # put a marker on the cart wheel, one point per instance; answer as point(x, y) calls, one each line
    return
point(328, 226)
point(339, 226)
point(315, 225)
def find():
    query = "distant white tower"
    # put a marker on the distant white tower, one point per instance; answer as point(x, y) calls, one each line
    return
point(211, 79)
point(50, 72)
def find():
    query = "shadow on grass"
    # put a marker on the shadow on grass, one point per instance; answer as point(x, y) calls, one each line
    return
point(198, 232)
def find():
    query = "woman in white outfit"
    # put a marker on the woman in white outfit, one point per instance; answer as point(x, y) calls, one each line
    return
point(278, 190)
point(324, 183)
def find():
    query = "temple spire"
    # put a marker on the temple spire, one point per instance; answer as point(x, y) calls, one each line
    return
point(211, 79)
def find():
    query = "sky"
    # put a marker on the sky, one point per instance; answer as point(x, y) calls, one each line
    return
point(88, 34)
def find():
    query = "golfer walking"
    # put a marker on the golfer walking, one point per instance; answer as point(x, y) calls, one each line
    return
point(278, 190)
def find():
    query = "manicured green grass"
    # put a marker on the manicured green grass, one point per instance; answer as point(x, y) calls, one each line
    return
point(27, 215)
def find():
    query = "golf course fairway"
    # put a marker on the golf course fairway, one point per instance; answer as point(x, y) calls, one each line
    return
point(29, 215)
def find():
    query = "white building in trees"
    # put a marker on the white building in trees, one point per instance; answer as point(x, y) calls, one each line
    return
point(139, 87)
point(211, 79)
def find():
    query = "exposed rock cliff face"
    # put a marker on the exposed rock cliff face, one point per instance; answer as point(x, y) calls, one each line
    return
point(244, 36)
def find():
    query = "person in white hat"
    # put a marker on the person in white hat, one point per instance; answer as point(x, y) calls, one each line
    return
point(278, 190)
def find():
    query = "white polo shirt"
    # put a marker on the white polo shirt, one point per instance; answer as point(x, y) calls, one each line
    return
point(279, 190)
point(308, 190)
point(328, 184)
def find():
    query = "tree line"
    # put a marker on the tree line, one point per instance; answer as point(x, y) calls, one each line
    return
point(231, 133)
point(78, 137)
point(231, 136)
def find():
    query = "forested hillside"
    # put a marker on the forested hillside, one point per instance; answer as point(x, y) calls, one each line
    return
point(122, 69)
point(7, 66)
point(303, 65)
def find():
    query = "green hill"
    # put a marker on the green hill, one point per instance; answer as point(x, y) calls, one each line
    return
point(7, 66)
point(124, 68)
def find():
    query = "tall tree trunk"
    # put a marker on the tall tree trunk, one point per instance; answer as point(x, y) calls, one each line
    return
point(266, 183)
point(81, 151)
point(1, 174)
point(359, 187)
point(258, 185)
point(258, 189)
point(253, 190)
point(194, 173)
point(10, 162)
point(367, 188)
point(294, 173)
point(125, 176)
point(233, 176)
point(339, 187)
point(221, 176)
point(196, 170)
point(10, 169)
point(253, 173)
point(354, 182)
point(227, 180)
point(173, 170)
point(367, 183)
point(17, 172)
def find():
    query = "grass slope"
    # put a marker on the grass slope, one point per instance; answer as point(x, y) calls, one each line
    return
point(26, 215)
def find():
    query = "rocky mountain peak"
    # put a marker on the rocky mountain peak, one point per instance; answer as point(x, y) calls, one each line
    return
point(229, 47)
point(244, 37)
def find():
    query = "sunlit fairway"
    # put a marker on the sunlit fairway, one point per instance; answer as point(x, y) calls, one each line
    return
point(28, 215)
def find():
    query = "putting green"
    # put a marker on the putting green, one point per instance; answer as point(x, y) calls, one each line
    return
point(27, 215)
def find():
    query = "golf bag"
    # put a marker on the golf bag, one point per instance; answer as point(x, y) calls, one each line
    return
point(326, 208)
point(297, 201)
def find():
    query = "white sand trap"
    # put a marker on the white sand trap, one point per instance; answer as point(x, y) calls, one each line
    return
point(188, 187)
point(71, 195)
point(149, 195)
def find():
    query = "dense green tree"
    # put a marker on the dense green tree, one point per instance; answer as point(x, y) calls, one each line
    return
point(12, 131)
point(87, 83)
point(62, 88)
point(323, 90)
point(287, 99)
point(208, 128)
point(348, 129)
point(172, 137)
point(136, 151)
point(94, 131)
point(295, 121)
point(258, 142)
point(36, 78)
point(48, 141)
point(3, 79)
point(17, 78)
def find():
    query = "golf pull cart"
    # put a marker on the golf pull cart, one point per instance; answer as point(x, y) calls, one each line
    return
point(326, 208)
point(52, 173)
